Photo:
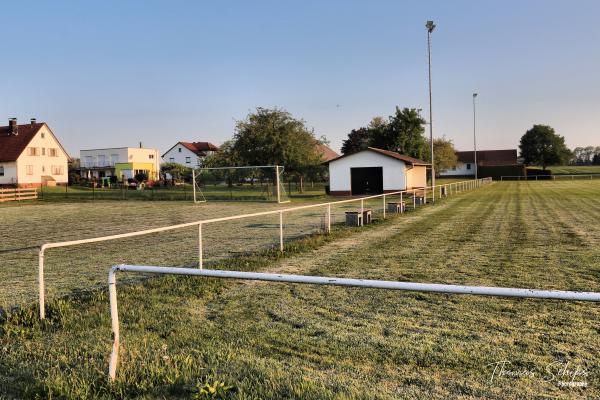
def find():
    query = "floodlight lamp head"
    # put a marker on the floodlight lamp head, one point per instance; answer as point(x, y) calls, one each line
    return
point(474, 95)
point(430, 26)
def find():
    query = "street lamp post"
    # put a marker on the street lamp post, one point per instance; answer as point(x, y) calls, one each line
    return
point(430, 27)
point(474, 136)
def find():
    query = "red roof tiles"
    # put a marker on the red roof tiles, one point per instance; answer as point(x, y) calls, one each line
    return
point(11, 146)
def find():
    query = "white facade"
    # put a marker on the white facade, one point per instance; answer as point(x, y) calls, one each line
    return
point(394, 171)
point(461, 169)
point(119, 162)
point(182, 155)
point(42, 161)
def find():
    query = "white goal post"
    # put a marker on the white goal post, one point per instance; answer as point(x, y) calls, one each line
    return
point(268, 177)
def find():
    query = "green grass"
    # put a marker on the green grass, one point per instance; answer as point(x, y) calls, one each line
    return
point(183, 193)
point(575, 169)
point(265, 340)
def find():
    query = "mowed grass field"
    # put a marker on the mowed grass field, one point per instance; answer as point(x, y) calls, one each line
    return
point(182, 337)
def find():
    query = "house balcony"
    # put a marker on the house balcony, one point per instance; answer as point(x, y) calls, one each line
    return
point(96, 164)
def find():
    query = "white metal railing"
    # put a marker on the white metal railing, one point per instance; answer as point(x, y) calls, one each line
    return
point(322, 280)
point(549, 177)
point(97, 164)
point(447, 189)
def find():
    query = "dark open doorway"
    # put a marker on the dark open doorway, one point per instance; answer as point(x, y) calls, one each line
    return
point(366, 180)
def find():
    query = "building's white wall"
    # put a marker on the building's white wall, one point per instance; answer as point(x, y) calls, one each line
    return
point(179, 154)
point(394, 177)
point(43, 164)
point(10, 173)
point(94, 158)
point(461, 170)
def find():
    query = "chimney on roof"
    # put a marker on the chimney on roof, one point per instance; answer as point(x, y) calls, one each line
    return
point(33, 121)
point(140, 145)
point(13, 127)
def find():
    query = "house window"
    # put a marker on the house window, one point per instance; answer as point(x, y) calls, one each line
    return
point(179, 149)
point(171, 159)
point(1, 170)
point(32, 151)
point(53, 152)
point(188, 160)
point(43, 151)
point(43, 135)
point(468, 166)
point(43, 168)
point(29, 169)
point(151, 156)
point(58, 170)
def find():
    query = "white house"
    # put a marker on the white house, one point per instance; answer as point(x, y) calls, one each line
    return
point(189, 154)
point(485, 158)
point(31, 155)
point(374, 171)
point(120, 162)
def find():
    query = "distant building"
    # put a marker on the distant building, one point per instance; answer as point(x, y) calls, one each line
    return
point(325, 151)
point(375, 171)
point(485, 158)
point(31, 155)
point(189, 154)
point(121, 162)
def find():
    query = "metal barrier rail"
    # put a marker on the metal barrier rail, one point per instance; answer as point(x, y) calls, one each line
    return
point(447, 189)
point(322, 280)
point(549, 177)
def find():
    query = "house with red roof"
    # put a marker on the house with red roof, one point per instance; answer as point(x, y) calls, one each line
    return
point(190, 154)
point(465, 166)
point(31, 156)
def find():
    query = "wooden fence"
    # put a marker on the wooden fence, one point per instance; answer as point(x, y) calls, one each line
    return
point(18, 194)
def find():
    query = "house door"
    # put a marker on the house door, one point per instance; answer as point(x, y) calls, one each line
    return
point(366, 180)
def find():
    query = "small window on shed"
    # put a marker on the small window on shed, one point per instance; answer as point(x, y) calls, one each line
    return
point(1, 170)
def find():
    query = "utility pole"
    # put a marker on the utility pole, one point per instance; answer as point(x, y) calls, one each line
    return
point(474, 136)
point(430, 27)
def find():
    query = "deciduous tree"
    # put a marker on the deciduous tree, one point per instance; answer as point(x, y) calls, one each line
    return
point(540, 145)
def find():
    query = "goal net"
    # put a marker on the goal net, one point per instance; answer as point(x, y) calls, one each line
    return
point(249, 183)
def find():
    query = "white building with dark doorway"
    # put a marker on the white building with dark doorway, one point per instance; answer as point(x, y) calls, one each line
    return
point(375, 171)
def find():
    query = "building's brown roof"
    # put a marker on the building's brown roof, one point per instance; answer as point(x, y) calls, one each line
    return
point(326, 152)
point(489, 157)
point(393, 154)
point(11, 146)
point(198, 148)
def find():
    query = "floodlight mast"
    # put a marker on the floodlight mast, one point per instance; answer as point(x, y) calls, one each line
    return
point(430, 27)
point(474, 137)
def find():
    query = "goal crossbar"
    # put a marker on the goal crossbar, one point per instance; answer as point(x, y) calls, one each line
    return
point(323, 280)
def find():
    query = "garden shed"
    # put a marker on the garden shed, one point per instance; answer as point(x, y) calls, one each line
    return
point(374, 171)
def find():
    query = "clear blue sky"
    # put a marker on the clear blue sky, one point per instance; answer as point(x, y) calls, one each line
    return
point(113, 73)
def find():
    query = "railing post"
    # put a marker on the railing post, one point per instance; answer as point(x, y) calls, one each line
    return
point(362, 212)
point(114, 317)
point(281, 231)
point(414, 199)
point(384, 206)
point(200, 250)
point(401, 204)
point(329, 218)
point(41, 288)
point(425, 196)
